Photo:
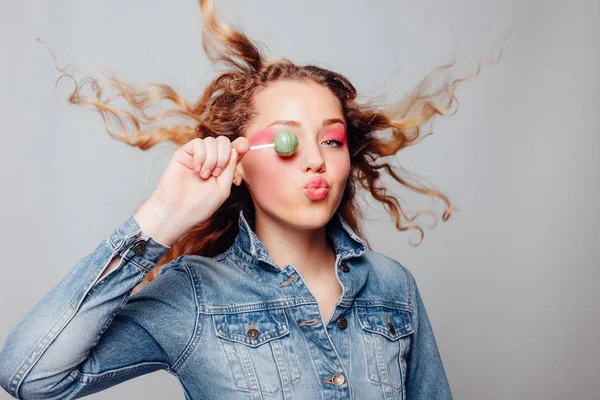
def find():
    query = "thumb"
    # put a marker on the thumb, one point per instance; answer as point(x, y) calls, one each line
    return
point(241, 145)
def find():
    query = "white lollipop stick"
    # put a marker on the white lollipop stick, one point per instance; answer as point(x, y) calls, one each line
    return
point(260, 146)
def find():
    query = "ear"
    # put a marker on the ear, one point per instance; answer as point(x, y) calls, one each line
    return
point(238, 175)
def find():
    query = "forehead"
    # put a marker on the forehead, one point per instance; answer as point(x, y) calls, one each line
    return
point(306, 102)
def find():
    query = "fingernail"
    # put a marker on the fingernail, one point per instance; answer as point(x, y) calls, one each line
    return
point(216, 172)
point(206, 173)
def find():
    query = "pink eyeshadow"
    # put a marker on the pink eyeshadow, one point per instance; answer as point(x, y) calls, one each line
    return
point(338, 132)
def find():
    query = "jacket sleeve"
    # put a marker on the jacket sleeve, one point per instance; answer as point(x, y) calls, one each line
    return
point(88, 334)
point(426, 378)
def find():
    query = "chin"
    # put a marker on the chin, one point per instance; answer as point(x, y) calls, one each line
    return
point(311, 217)
point(302, 213)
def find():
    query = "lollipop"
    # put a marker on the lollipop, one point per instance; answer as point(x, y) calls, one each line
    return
point(285, 143)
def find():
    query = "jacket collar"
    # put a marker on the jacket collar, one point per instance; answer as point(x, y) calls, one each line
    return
point(249, 248)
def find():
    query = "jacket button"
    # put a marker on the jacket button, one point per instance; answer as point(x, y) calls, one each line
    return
point(391, 328)
point(139, 248)
point(390, 325)
point(345, 268)
point(342, 323)
point(253, 333)
point(338, 379)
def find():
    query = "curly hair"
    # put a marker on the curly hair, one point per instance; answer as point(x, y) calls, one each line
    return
point(226, 107)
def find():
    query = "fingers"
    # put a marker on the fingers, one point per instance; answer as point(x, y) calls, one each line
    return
point(223, 155)
point(211, 156)
point(197, 150)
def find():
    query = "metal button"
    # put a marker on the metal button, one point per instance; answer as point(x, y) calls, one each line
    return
point(345, 268)
point(342, 323)
point(391, 326)
point(253, 333)
point(338, 379)
point(139, 248)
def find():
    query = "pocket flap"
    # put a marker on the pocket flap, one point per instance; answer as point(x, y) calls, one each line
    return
point(393, 323)
point(269, 324)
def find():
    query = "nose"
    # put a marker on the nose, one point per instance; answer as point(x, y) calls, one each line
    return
point(312, 159)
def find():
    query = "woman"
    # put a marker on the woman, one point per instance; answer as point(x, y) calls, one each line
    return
point(266, 289)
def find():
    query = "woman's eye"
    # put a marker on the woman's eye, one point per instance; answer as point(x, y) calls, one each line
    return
point(334, 142)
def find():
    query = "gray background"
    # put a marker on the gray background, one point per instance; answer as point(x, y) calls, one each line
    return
point(510, 282)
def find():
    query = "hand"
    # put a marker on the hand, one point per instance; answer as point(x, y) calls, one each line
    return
point(196, 182)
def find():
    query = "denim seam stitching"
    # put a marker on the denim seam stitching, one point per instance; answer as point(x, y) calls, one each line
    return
point(312, 360)
point(86, 378)
point(408, 285)
point(195, 338)
point(121, 243)
point(339, 359)
point(109, 321)
point(293, 348)
point(261, 306)
point(30, 361)
point(383, 303)
point(139, 266)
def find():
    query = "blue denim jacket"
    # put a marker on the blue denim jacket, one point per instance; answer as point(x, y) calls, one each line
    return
point(234, 326)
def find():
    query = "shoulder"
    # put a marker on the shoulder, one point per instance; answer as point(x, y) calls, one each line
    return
point(388, 276)
point(209, 269)
point(166, 302)
point(386, 266)
point(210, 275)
point(173, 287)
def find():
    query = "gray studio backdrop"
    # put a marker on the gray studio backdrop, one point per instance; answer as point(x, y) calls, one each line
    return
point(510, 282)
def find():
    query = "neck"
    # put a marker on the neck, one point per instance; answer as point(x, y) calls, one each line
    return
point(307, 249)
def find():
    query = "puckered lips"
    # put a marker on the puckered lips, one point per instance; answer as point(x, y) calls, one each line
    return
point(316, 188)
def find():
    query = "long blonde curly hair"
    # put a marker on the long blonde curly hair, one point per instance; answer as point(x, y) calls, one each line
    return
point(226, 107)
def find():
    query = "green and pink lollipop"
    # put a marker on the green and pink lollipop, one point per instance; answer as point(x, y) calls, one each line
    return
point(285, 143)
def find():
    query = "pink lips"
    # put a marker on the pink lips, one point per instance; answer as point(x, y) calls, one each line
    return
point(316, 189)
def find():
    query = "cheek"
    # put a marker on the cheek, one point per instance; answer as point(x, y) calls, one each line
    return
point(267, 173)
point(342, 166)
point(263, 167)
point(263, 137)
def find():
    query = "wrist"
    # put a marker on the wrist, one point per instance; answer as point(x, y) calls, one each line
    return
point(163, 223)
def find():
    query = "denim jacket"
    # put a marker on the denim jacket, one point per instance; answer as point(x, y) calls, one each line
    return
point(233, 326)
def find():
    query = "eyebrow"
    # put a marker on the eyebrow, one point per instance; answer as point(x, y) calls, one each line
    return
point(326, 122)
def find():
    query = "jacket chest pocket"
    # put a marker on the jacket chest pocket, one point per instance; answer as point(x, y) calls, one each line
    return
point(386, 338)
point(259, 351)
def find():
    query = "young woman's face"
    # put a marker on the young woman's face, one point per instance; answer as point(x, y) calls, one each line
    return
point(284, 188)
